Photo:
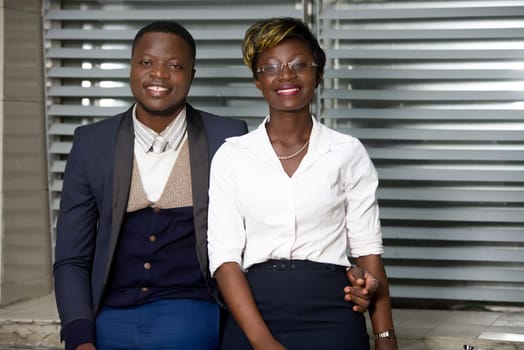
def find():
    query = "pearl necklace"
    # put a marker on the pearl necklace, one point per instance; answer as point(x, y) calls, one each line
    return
point(294, 154)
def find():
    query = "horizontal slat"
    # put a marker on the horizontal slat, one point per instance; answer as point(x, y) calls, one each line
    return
point(466, 253)
point(196, 91)
point(88, 54)
point(488, 194)
point(84, 111)
point(482, 293)
point(408, 74)
point(476, 114)
point(58, 166)
point(96, 73)
point(128, 34)
point(76, 91)
point(60, 148)
point(456, 273)
point(421, 54)
point(447, 153)
point(467, 233)
point(424, 95)
point(435, 134)
point(422, 33)
point(458, 214)
point(56, 185)
point(169, 2)
point(353, 34)
point(430, 194)
point(242, 12)
point(227, 52)
point(55, 204)
point(62, 129)
point(505, 173)
point(454, 10)
point(254, 110)
point(357, 113)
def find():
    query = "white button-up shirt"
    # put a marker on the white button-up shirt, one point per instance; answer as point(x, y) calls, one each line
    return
point(155, 168)
point(327, 208)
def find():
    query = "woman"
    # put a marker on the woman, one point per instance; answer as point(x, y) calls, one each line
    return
point(287, 201)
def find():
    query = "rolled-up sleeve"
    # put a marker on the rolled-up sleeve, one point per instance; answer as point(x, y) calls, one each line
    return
point(362, 212)
point(226, 233)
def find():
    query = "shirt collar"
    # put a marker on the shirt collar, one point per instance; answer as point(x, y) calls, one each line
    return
point(315, 130)
point(173, 133)
point(262, 143)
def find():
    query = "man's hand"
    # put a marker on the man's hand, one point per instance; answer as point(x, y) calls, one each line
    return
point(362, 289)
point(86, 346)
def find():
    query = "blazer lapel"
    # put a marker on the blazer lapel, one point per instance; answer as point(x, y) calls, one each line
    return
point(122, 169)
point(199, 163)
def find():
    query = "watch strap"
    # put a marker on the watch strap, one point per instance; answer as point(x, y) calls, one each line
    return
point(389, 334)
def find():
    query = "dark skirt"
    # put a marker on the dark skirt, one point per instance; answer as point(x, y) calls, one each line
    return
point(303, 305)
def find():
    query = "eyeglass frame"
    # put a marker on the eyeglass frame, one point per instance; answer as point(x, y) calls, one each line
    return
point(281, 68)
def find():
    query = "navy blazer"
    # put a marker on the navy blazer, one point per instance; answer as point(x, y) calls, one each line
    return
point(94, 200)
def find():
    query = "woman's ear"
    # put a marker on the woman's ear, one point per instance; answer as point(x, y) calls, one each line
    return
point(257, 84)
point(319, 79)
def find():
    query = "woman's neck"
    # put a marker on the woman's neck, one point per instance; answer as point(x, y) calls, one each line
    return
point(289, 128)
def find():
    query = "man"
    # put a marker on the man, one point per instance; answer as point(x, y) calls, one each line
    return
point(131, 267)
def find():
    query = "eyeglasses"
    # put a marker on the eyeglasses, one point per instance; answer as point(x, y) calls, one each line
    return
point(275, 68)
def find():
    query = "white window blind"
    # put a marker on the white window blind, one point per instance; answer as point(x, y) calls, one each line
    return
point(435, 90)
point(88, 44)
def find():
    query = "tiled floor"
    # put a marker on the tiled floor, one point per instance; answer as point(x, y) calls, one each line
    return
point(416, 328)
point(487, 325)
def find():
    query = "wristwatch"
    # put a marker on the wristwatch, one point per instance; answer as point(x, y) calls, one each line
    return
point(389, 334)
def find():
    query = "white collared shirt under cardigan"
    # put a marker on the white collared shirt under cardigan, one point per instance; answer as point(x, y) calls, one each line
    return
point(257, 212)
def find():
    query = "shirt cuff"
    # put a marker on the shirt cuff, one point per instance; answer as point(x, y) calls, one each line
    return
point(78, 332)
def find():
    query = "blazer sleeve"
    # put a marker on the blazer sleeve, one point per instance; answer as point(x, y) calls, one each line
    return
point(75, 238)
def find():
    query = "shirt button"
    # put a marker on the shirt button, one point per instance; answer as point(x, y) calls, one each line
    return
point(144, 289)
point(147, 266)
point(152, 238)
point(156, 209)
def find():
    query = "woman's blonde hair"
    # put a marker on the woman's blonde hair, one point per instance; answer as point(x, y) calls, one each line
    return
point(268, 33)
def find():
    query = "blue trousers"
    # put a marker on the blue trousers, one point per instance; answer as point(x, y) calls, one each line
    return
point(174, 324)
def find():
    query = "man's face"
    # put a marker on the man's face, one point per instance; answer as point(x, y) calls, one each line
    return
point(160, 76)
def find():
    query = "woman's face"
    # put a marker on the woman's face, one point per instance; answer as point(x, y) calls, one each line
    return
point(291, 88)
